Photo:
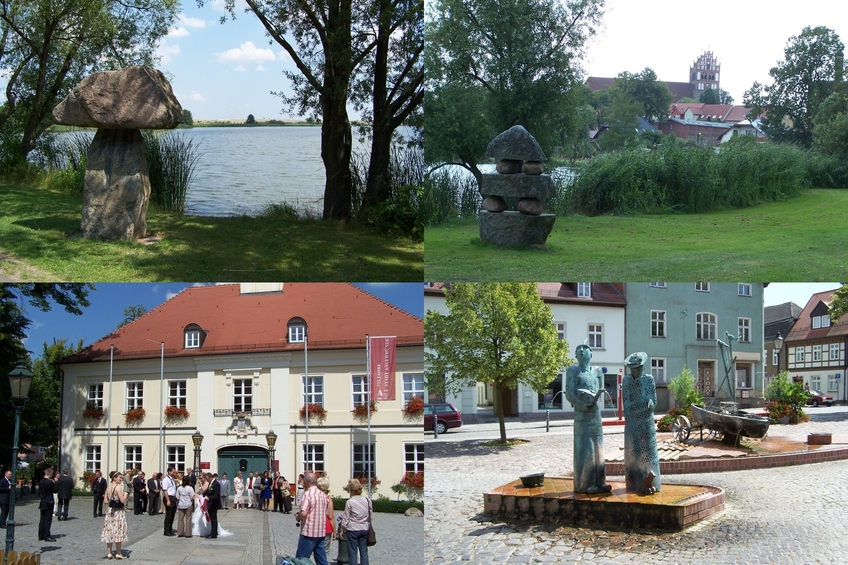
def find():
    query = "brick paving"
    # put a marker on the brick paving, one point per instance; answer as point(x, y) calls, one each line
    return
point(780, 515)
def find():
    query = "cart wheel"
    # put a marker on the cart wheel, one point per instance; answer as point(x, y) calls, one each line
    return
point(680, 428)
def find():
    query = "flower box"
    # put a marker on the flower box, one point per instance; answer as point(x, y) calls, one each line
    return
point(360, 411)
point(413, 480)
point(414, 408)
point(92, 411)
point(176, 413)
point(316, 412)
point(135, 415)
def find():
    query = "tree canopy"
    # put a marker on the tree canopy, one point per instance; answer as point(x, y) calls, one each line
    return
point(651, 94)
point(838, 307)
point(830, 126)
point(716, 96)
point(802, 81)
point(514, 63)
point(497, 333)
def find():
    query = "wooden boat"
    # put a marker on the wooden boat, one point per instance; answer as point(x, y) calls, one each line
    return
point(731, 423)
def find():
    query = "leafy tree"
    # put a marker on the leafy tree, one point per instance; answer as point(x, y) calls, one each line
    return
point(716, 96)
point(519, 59)
point(830, 126)
point(686, 100)
point(620, 118)
point(653, 95)
point(802, 81)
point(496, 333)
point(187, 120)
point(48, 46)
point(838, 306)
point(683, 388)
point(131, 313)
point(250, 119)
point(13, 325)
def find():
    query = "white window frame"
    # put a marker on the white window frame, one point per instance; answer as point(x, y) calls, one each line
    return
point(584, 290)
point(800, 356)
point(815, 382)
point(596, 336)
point(702, 287)
point(657, 285)
point(832, 383)
point(747, 369)
point(243, 395)
point(817, 353)
point(560, 329)
point(134, 395)
point(815, 323)
point(746, 289)
point(413, 457)
point(95, 394)
point(176, 457)
point(178, 397)
point(658, 323)
point(192, 339)
point(413, 385)
point(358, 390)
point(658, 370)
point(361, 457)
point(93, 457)
point(705, 326)
point(133, 457)
point(775, 356)
point(315, 457)
point(312, 388)
point(745, 330)
point(297, 334)
point(833, 355)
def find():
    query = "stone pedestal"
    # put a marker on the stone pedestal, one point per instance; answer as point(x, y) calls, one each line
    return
point(117, 188)
point(514, 228)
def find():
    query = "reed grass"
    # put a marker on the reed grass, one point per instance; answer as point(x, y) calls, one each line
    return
point(172, 166)
point(449, 196)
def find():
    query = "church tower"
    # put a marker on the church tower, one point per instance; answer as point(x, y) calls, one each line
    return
point(703, 74)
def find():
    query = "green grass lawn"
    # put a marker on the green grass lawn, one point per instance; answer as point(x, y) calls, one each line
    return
point(36, 226)
point(801, 239)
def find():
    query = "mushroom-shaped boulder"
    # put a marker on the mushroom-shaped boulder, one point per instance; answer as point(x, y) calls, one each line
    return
point(517, 144)
point(132, 98)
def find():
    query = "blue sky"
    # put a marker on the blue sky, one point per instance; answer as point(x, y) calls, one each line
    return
point(109, 300)
point(224, 71)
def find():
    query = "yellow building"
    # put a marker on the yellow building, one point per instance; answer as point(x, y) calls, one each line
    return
point(236, 363)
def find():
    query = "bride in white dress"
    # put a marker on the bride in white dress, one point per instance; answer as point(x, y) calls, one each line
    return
point(200, 523)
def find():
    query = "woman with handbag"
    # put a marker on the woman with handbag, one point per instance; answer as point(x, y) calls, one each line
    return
point(330, 520)
point(115, 524)
point(285, 491)
point(356, 522)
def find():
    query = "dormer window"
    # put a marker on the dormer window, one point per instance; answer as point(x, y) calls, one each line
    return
point(297, 330)
point(194, 336)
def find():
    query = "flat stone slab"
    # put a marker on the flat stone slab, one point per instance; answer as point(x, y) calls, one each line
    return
point(518, 185)
point(514, 228)
point(675, 507)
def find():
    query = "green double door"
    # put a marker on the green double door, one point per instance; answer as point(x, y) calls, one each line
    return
point(245, 459)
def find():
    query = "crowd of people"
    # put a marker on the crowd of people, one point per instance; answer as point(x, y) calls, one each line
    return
point(193, 500)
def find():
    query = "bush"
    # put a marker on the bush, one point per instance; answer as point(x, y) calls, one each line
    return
point(683, 388)
point(786, 398)
point(382, 504)
point(172, 165)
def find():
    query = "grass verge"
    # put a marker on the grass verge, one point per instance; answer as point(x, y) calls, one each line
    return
point(800, 239)
point(36, 226)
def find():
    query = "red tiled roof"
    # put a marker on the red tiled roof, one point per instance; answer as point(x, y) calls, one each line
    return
point(737, 114)
point(802, 330)
point(338, 316)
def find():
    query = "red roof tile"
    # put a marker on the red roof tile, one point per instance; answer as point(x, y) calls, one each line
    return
point(338, 316)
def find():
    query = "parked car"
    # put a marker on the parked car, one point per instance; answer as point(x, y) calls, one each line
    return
point(817, 398)
point(444, 414)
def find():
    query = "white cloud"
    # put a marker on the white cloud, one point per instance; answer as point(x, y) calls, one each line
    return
point(192, 22)
point(247, 52)
point(240, 69)
point(170, 295)
point(260, 68)
point(167, 52)
point(196, 96)
point(178, 32)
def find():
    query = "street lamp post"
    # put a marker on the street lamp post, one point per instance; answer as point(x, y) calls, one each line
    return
point(271, 437)
point(19, 380)
point(197, 439)
point(779, 341)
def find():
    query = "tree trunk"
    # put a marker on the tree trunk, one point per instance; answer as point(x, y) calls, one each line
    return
point(498, 399)
point(335, 152)
point(378, 188)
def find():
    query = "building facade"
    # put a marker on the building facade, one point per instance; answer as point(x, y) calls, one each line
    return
point(704, 74)
point(237, 363)
point(815, 348)
point(677, 325)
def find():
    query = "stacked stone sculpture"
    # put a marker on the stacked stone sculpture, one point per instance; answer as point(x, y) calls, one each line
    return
point(519, 175)
point(117, 186)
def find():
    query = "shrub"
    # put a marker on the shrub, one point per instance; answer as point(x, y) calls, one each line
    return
point(683, 388)
point(399, 216)
point(383, 504)
point(786, 398)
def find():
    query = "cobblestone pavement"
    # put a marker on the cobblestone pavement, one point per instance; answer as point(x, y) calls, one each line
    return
point(259, 537)
point(787, 515)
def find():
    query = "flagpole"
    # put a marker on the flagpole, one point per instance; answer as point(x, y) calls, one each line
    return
point(368, 380)
point(109, 415)
point(306, 408)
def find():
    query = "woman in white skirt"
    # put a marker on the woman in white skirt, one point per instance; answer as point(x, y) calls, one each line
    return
point(238, 484)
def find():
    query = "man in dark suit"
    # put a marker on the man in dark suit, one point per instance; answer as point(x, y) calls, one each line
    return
point(64, 491)
point(6, 493)
point(140, 493)
point(214, 495)
point(153, 494)
point(98, 487)
point(46, 489)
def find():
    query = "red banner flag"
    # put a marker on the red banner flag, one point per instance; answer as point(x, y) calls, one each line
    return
point(383, 368)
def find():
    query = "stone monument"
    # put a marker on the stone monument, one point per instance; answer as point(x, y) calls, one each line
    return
point(641, 458)
point(119, 104)
point(583, 390)
point(519, 176)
